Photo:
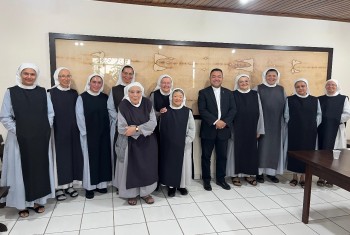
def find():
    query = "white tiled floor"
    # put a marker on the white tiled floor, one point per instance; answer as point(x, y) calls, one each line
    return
point(266, 209)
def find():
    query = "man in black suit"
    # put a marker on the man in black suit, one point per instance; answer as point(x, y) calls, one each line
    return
point(217, 109)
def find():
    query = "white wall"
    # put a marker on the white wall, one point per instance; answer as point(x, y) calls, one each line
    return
point(25, 24)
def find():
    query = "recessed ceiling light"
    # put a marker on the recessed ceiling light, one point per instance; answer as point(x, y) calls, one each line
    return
point(243, 2)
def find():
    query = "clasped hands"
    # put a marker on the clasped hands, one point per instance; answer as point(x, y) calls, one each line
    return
point(130, 130)
point(220, 124)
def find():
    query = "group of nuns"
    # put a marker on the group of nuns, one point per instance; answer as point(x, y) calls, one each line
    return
point(268, 124)
point(57, 138)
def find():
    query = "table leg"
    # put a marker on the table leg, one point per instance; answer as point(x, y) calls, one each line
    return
point(307, 194)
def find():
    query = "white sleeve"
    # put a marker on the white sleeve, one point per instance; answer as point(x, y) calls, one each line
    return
point(111, 108)
point(191, 129)
point(345, 116)
point(319, 113)
point(79, 112)
point(50, 110)
point(286, 112)
point(260, 127)
point(7, 117)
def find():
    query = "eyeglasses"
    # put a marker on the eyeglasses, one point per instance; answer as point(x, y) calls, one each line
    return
point(65, 76)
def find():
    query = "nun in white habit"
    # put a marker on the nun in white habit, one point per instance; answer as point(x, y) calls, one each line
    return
point(93, 124)
point(12, 170)
point(136, 147)
point(125, 77)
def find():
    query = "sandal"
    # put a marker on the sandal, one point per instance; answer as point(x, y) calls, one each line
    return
point(23, 213)
point(72, 192)
point(148, 199)
point(132, 201)
point(302, 183)
point(37, 209)
point(251, 180)
point(328, 184)
point(293, 182)
point(236, 181)
point(321, 182)
point(60, 196)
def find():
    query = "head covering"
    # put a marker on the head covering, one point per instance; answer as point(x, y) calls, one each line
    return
point(236, 82)
point(337, 92)
point(160, 81)
point(87, 86)
point(19, 71)
point(56, 79)
point(126, 92)
point(307, 87)
point(264, 77)
point(120, 76)
point(171, 98)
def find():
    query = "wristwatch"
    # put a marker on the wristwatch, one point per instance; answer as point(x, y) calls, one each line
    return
point(137, 129)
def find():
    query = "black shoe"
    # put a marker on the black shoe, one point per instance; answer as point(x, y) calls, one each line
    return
point(3, 227)
point(89, 194)
point(223, 185)
point(260, 178)
point(101, 190)
point(183, 191)
point(158, 186)
point(171, 192)
point(207, 186)
point(273, 178)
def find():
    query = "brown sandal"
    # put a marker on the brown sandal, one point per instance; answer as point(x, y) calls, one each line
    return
point(236, 181)
point(251, 180)
point(148, 199)
point(37, 208)
point(132, 201)
point(23, 213)
point(293, 182)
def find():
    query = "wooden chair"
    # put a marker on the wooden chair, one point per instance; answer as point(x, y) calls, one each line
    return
point(3, 193)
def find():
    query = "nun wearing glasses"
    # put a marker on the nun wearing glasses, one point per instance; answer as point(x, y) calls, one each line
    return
point(67, 153)
point(136, 147)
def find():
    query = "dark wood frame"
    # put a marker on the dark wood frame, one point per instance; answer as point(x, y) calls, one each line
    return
point(54, 36)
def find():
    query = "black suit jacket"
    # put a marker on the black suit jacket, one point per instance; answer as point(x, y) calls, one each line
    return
point(208, 111)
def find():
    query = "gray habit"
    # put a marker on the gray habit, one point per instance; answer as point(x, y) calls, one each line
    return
point(270, 145)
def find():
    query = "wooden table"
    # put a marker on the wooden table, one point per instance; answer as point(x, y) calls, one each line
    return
point(322, 164)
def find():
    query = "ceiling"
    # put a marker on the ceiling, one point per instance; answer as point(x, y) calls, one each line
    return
point(334, 10)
